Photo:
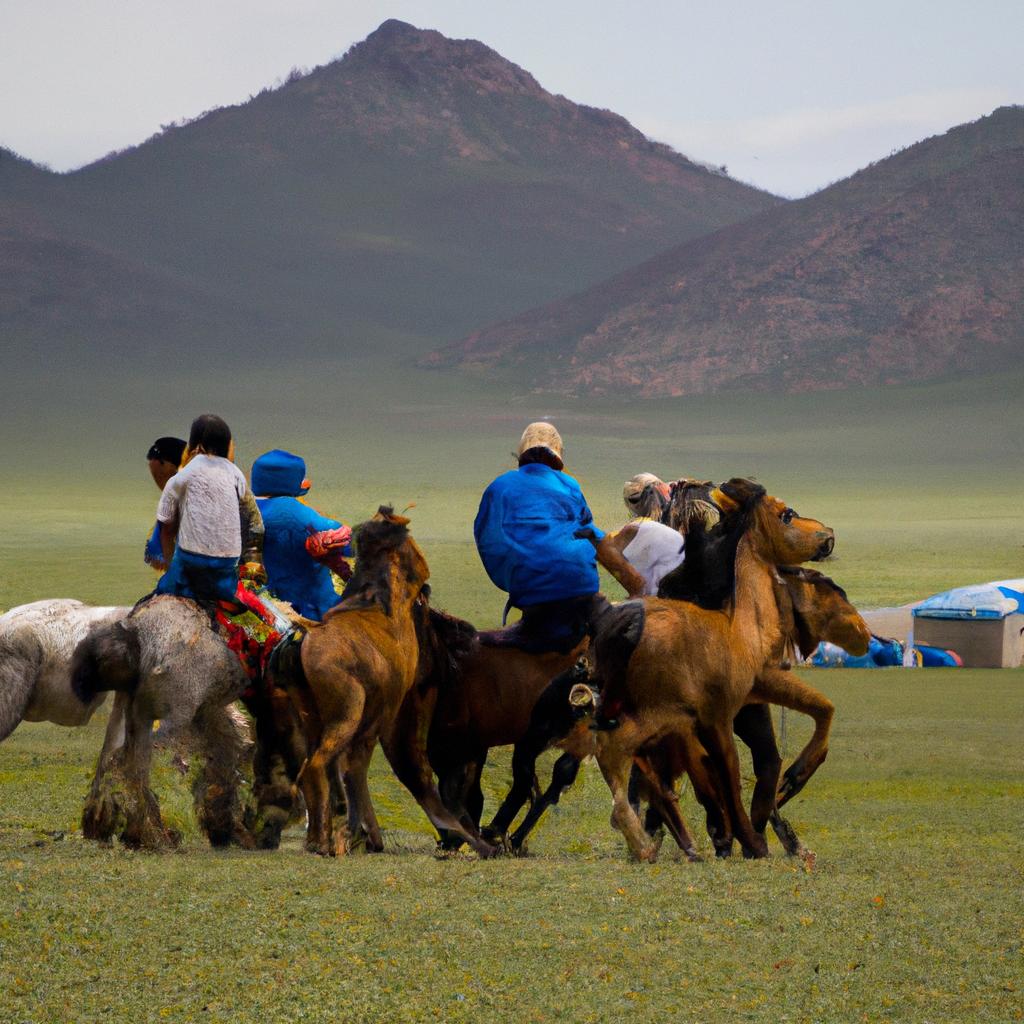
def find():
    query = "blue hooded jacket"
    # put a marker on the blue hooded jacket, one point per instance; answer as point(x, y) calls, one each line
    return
point(292, 574)
point(525, 533)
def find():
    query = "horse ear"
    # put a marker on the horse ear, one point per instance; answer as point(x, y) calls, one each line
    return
point(722, 500)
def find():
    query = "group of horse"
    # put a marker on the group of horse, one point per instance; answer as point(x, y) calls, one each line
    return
point(656, 690)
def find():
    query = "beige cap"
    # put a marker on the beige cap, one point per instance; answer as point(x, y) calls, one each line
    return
point(635, 486)
point(541, 435)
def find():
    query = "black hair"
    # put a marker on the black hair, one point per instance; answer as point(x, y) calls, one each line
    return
point(167, 449)
point(210, 433)
point(542, 454)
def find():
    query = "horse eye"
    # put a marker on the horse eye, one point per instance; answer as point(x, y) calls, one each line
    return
point(788, 516)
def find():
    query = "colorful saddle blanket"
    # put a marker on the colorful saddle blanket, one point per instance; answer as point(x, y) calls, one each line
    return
point(252, 626)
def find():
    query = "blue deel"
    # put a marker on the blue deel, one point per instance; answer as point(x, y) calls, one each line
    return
point(291, 573)
point(525, 533)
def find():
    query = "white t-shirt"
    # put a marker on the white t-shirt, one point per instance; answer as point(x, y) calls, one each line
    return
point(654, 552)
point(203, 497)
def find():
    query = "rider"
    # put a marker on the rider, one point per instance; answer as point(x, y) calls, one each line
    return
point(538, 541)
point(200, 515)
point(300, 546)
point(651, 547)
point(164, 458)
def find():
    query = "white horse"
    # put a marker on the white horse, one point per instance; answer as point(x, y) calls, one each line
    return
point(165, 662)
point(36, 644)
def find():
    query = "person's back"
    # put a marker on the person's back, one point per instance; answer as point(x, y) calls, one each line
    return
point(527, 532)
point(538, 542)
point(206, 494)
point(654, 550)
point(296, 536)
point(200, 525)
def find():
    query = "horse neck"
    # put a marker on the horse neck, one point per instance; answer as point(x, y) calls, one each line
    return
point(756, 624)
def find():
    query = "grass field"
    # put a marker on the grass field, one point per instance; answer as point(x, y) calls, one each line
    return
point(913, 913)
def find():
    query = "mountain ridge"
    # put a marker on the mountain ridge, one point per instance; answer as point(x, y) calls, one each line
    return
point(906, 270)
point(398, 196)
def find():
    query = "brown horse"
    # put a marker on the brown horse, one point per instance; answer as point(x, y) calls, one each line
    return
point(359, 666)
point(487, 703)
point(813, 608)
point(693, 669)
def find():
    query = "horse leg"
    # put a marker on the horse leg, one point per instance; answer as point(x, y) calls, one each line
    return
point(781, 687)
point(524, 766)
point(316, 787)
point(473, 799)
point(665, 801)
point(753, 725)
point(563, 775)
point(717, 739)
point(451, 786)
point(277, 760)
point(144, 827)
point(406, 751)
point(363, 828)
point(224, 742)
point(615, 752)
point(552, 719)
point(103, 806)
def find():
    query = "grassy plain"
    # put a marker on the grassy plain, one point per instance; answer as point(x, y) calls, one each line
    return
point(913, 914)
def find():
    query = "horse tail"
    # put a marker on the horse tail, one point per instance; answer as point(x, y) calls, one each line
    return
point(19, 665)
point(107, 659)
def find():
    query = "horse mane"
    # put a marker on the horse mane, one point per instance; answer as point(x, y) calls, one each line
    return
point(690, 505)
point(707, 576)
point(370, 584)
point(444, 642)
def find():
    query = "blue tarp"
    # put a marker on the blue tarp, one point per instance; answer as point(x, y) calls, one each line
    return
point(980, 601)
point(883, 653)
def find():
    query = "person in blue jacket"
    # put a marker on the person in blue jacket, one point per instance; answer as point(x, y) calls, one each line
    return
point(299, 543)
point(539, 543)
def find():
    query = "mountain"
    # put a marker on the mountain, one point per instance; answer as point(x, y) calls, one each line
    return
point(391, 199)
point(913, 268)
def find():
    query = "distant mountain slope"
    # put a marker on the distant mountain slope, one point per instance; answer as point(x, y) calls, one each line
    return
point(398, 196)
point(913, 268)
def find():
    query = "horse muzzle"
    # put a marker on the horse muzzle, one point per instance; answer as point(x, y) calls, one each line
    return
point(826, 549)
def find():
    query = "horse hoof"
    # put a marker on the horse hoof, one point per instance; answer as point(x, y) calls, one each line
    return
point(693, 856)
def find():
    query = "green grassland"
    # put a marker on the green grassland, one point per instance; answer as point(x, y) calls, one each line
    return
point(913, 913)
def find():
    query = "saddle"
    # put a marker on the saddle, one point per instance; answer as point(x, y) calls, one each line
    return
point(255, 628)
point(554, 627)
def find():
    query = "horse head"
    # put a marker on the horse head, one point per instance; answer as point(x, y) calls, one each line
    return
point(821, 611)
point(389, 564)
point(781, 536)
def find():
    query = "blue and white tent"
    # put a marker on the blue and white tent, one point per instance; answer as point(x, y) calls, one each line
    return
point(980, 601)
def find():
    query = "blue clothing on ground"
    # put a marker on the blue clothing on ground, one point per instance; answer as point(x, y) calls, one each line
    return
point(526, 530)
point(292, 574)
point(203, 577)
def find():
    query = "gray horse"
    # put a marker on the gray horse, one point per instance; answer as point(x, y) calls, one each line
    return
point(165, 662)
point(37, 641)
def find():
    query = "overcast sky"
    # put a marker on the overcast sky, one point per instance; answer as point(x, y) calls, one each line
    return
point(790, 95)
